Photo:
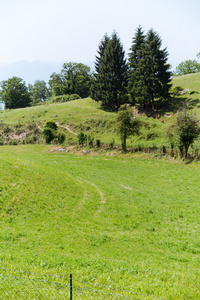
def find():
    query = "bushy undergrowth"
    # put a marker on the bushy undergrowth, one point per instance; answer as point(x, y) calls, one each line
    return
point(64, 98)
point(14, 134)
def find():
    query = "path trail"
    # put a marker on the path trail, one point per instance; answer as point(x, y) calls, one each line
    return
point(66, 127)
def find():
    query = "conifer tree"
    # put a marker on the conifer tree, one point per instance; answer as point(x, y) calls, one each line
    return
point(134, 57)
point(111, 74)
point(151, 78)
point(96, 87)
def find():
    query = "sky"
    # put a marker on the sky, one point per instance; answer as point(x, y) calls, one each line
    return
point(54, 31)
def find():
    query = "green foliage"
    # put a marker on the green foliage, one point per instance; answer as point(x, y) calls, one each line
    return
point(185, 131)
point(49, 134)
point(187, 67)
point(175, 90)
point(110, 79)
point(90, 140)
point(149, 71)
point(14, 93)
point(61, 138)
point(126, 124)
point(75, 78)
point(51, 124)
point(38, 92)
point(82, 137)
point(64, 98)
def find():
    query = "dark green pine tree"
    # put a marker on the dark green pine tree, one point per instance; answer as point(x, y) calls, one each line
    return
point(152, 75)
point(111, 75)
point(96, 88)
point(134, 57)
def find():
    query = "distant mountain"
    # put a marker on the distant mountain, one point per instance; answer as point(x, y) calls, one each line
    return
point(32, 71)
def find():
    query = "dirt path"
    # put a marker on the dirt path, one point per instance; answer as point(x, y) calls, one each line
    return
point(66, 127)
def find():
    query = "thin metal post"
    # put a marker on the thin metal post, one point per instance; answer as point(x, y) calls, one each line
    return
point(70, 286)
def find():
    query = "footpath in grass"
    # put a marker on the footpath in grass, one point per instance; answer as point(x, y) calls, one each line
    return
point(122, 222)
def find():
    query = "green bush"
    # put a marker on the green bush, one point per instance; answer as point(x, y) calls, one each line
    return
point(74, 97)
point(175, 91)
point(82, 137)
point(49, 134)
point(90, 139)
point(61, 138)
point(51, 124)
point(64, 98)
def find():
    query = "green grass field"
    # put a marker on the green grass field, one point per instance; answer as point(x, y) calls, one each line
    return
point(122, 222)
point(126, 222)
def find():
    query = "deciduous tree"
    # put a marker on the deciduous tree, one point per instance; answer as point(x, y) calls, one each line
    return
point(126, 124)
point(14, 93)
point(185, 130)
point(38, 91)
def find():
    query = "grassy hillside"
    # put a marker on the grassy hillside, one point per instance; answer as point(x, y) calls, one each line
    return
point(190, 81)
point(119, 222)
point(86, 115)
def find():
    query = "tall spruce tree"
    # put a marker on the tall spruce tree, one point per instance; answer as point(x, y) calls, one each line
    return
point(111, 74)
point(96, 86)
point(134, 57)
point(151, 78)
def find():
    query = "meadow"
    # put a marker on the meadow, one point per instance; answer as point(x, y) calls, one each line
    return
point(119, 221)
point(124, 222)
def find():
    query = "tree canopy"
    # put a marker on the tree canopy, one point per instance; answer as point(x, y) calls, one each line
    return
point(14, 93)
point(126, 124)
point(185, 130)
point(187, 67)
point(75, 78)
point(38, 92)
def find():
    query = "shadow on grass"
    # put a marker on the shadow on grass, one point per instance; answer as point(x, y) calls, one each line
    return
point(172, 105)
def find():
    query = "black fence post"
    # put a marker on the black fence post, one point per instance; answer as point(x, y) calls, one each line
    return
point(70, 286)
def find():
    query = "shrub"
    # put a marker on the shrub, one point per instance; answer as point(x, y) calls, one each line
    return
point(90, 139)
point(51, 124)
point(81, 138)
point(61, 138)
point(175, 91)
point(74, 97)
point(64, 98)
point(48, 135)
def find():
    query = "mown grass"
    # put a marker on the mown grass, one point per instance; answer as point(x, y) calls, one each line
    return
point(119, 221)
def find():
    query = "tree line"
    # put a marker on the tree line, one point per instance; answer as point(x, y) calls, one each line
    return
point(141, 79)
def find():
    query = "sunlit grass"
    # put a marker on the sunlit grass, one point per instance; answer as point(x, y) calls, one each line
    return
point(125, 222)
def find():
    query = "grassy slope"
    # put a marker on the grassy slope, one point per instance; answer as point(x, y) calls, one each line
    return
point(86, 115)
point(120, 221)
point(190, 81)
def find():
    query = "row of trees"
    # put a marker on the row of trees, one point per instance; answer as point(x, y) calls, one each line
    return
point(14, 93)
point(75, 78)
point(141, 79)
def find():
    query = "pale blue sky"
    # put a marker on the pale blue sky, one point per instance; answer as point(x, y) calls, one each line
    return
point(70, 30)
